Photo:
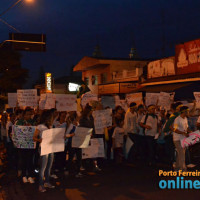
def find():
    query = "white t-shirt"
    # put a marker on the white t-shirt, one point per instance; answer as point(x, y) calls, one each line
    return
point(182, 125)
point(118, 135)
point(153, 123)
point(139, 118)
point(41, 128)
point(130, 122)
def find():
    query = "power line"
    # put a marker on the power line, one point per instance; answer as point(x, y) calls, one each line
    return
point(12, 27)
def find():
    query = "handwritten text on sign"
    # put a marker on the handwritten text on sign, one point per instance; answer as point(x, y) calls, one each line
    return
point(22, 137)
point(135, 97)
point(152, 98)
point(95, 149)
point(12, 100)
point(66, 102)
point(102, 118)
point(47, 101)
point(87, 98)
point(27, 97)
point(82, 137)
point(52, 141)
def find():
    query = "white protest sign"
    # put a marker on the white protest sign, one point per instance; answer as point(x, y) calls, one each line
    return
point(53, 141)
point(123, 104)
point(27, 97)
point(47, 101)
point(197, 98)
point(151, 98)
point(94, 150)
point(102, 118)
point(82, 137)
point(134, 97)
point(108, 101)
point(66, 102)
point(12, 100)
point(22, 137)
point(165, 100)
point(87, 98)
point(189, 105)
point(191, 140)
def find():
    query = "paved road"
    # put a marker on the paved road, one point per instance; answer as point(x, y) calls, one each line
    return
point(113, 183)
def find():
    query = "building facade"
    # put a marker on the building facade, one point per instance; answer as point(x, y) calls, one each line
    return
point(111, 76)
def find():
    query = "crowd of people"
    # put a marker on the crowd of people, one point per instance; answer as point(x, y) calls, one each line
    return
point(155, 134)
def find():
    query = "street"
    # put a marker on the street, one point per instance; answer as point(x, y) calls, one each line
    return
point(118, 183)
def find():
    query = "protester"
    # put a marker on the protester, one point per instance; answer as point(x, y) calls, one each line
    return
point(150, 123)
point(87, 121)
point(60, 157)
point(141, 139)
point(72, 124)
point(130, 127)
point(10, 147)
point(118, 138)
point(181, 131)
point(26, 155)
point(46, 161)
point(4, 119)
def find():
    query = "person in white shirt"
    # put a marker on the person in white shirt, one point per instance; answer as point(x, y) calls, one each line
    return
point(150, 123)
point(46, 122)
point(118, 139)
point(181, 131)
point(140, 134)
point(130, 127)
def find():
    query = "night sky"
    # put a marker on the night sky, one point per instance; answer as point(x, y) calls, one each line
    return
point(73, 26)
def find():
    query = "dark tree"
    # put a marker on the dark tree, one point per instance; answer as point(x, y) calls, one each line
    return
point(41, 77)
point(12, 75)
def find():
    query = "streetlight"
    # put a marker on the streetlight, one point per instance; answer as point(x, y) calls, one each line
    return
point(14, 4)
point(29, 1)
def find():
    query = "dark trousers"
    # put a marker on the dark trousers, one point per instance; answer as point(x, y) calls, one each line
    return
point(134, 149)
point(109, 145)
point(118, 155)
point(150, 145)
point(170, 149)
point(11, 155)
point(26, 161)
point(72, 152)
point(60, 160)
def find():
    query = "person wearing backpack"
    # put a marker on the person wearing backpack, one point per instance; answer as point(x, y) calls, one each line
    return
point(150, 124)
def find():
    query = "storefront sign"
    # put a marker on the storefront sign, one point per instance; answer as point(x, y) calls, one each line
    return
point(109, 89)
point(127, 87)
point(161, 68)
point(188, 57)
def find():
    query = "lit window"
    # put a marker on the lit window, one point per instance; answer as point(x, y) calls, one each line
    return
point(94, 80)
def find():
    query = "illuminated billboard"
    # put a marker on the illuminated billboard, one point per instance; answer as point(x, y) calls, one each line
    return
point(48, 82)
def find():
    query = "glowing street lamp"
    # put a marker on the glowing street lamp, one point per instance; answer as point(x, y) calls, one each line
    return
point(14, 4)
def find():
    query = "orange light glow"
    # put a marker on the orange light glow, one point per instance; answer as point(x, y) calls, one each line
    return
point(29, 1)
